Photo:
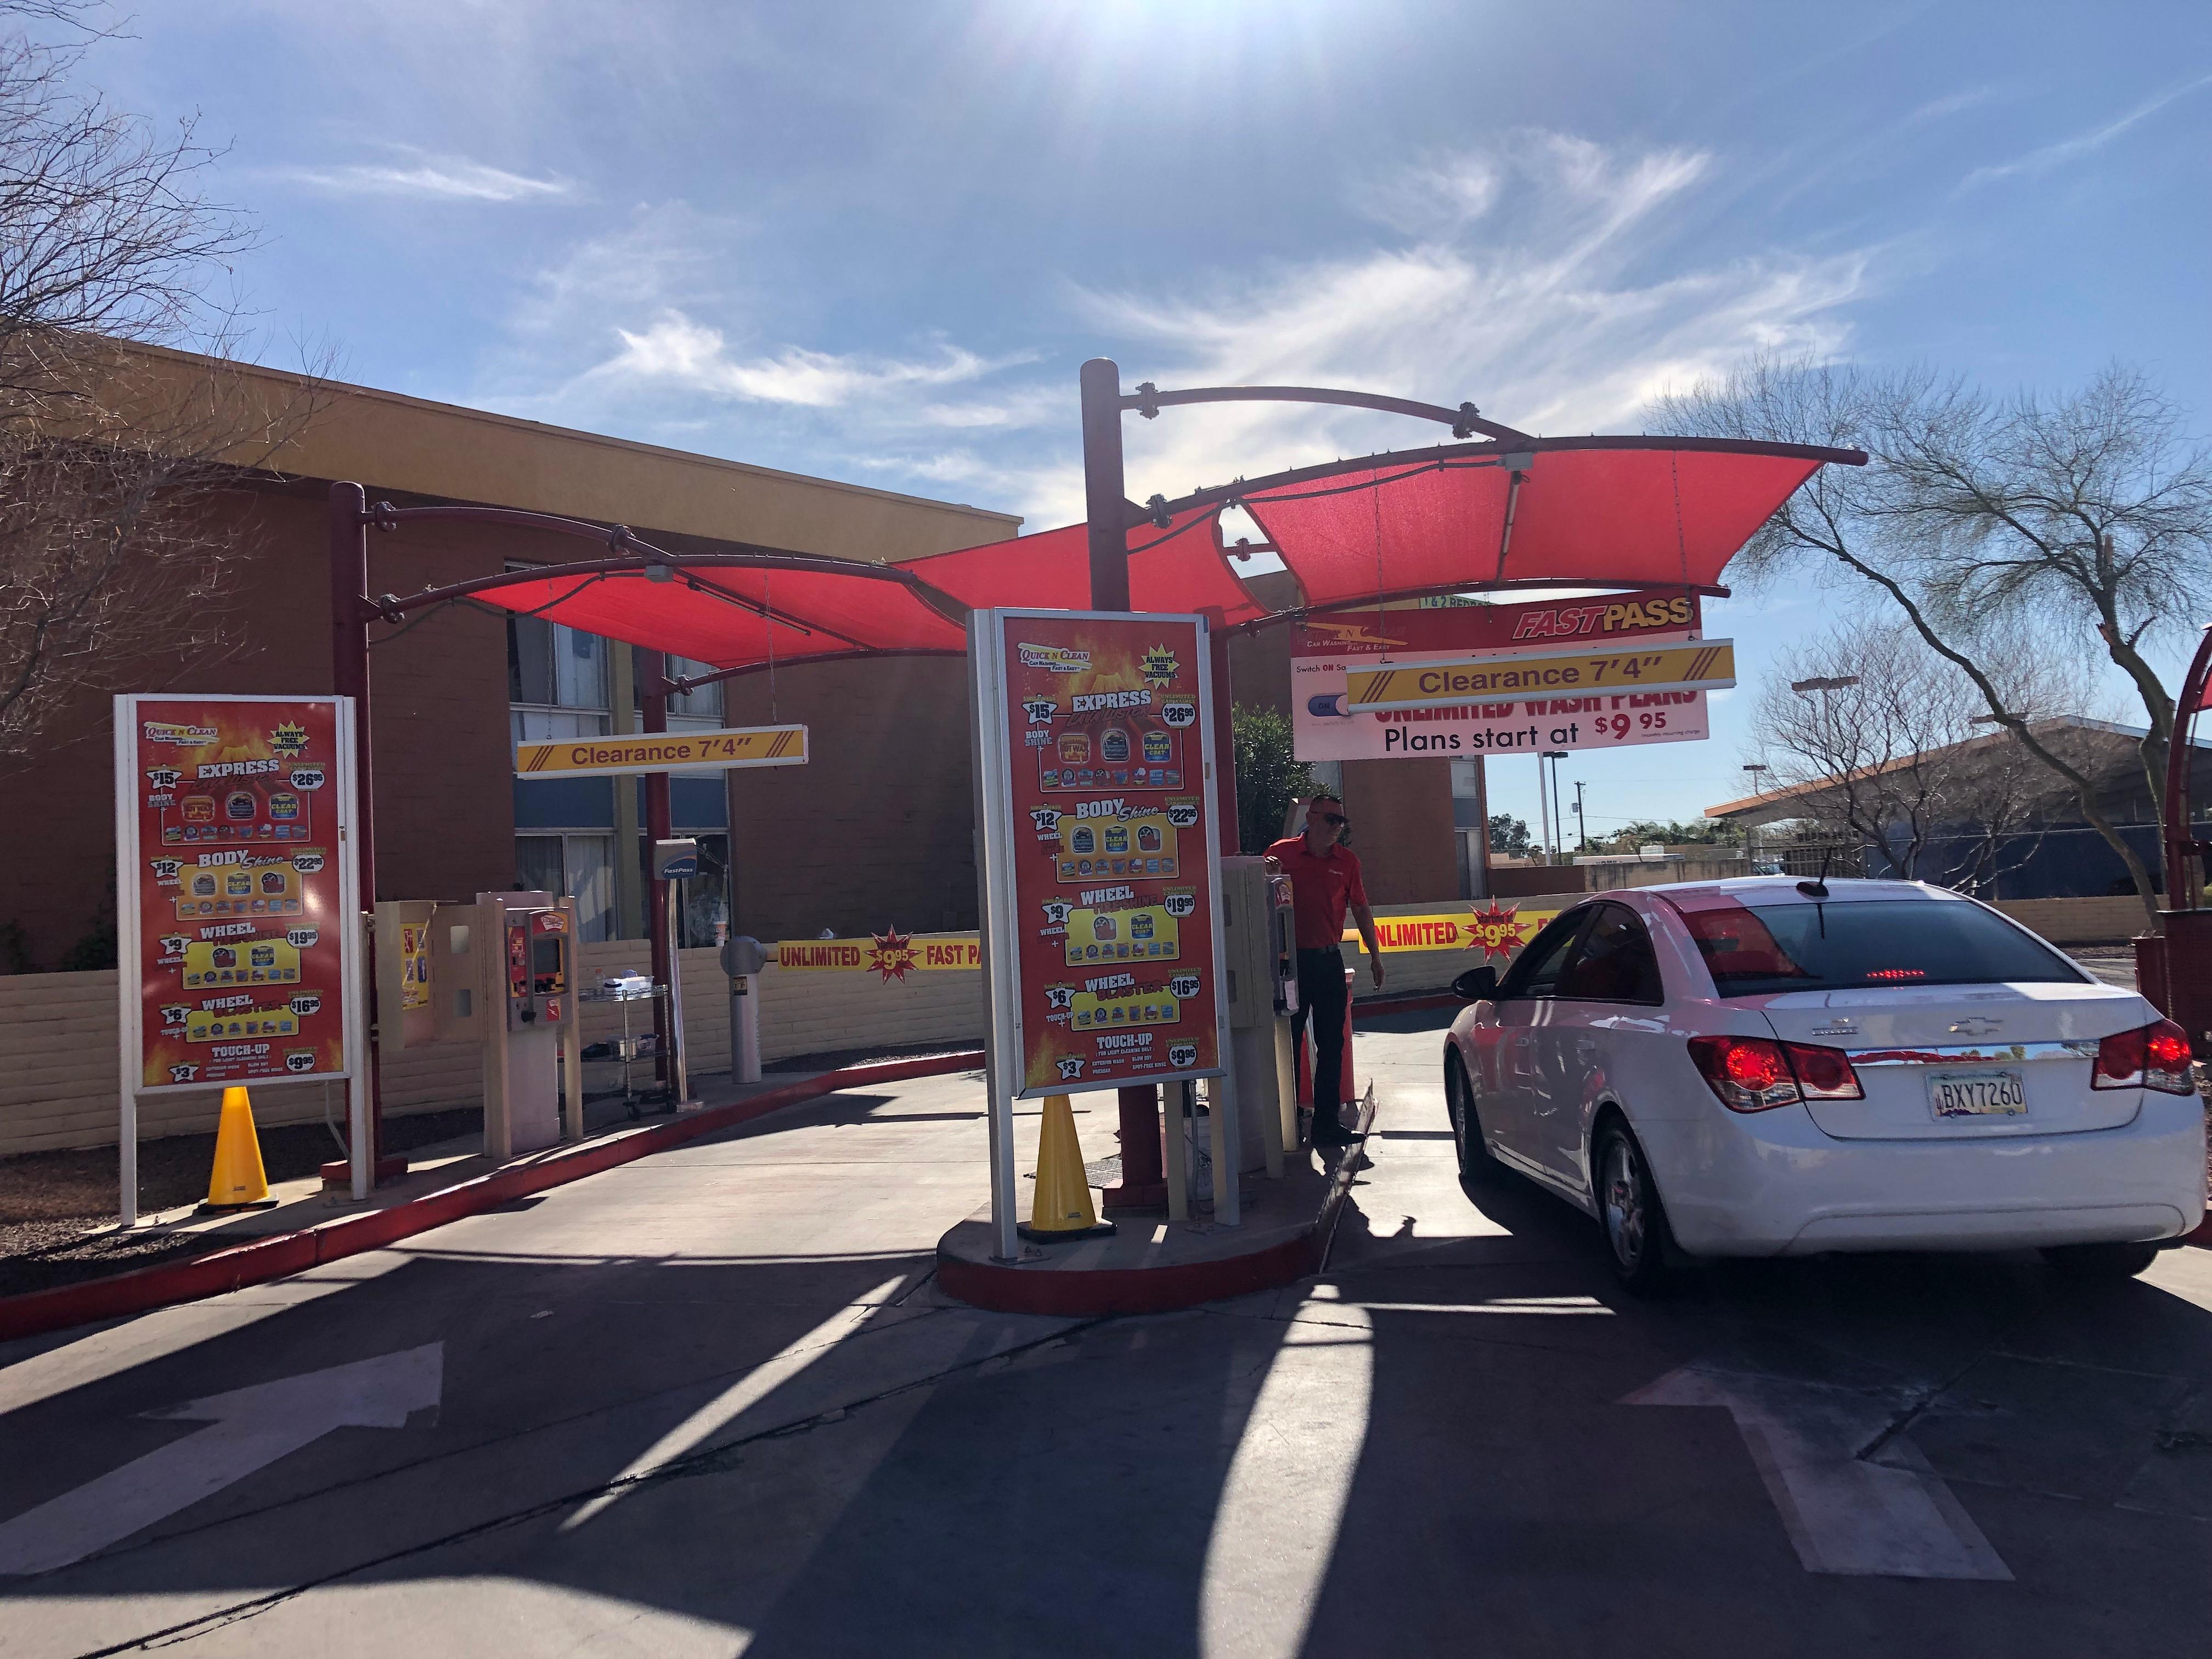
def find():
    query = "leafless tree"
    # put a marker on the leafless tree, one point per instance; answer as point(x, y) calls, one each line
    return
point(1902, 760)
point(110, 444)
point(2077, 522)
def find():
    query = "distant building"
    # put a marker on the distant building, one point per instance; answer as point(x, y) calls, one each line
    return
point(1982, 815)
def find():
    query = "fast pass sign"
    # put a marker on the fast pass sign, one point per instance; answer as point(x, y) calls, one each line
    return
point(1498, 679)
point(1102, 849)
point(233, 887)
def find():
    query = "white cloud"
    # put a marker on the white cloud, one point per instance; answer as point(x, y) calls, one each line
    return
point(1563, 308)
point(1556, 282)
point(674, 350)
point(2039, 162)
point(436, 178)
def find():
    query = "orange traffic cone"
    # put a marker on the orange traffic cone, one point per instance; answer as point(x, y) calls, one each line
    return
point(1063, 1208)
point(238, 1181)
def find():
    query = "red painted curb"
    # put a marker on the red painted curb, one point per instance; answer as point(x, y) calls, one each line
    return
point(282, 1254)
point(1087, 1295)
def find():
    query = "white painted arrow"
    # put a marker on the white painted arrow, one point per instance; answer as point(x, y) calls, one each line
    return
point(1843, 1515)
point(253, 1427)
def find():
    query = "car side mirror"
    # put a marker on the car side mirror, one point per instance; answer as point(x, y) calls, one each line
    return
point(1476, 985)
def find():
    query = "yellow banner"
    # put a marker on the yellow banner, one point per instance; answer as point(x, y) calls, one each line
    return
point(1493, 929)
point(1695, 665)
point(663, 751)
point(893, 956)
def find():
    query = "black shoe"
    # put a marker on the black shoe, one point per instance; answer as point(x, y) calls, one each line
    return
point(1319, 1141)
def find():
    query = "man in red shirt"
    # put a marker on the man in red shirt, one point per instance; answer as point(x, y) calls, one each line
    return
point(1324, 883)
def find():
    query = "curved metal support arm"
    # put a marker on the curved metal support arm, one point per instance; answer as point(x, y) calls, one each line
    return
point(1465, 421)
point(2181, 844)
point(632, 556)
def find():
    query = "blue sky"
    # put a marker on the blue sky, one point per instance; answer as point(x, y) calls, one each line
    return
point(874, 242)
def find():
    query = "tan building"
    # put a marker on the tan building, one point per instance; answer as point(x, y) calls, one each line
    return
point(876, 831)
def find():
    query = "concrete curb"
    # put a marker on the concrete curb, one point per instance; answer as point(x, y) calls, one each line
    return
point(282, 1254)
point(1088, 1294)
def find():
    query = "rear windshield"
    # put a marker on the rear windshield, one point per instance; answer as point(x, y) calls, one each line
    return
point(1759, 949)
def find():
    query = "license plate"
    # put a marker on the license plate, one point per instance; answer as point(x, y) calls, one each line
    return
point(1977, 1094)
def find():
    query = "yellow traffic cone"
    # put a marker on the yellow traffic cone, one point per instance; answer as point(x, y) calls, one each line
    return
point(1063, 1209)
point(238, 1181)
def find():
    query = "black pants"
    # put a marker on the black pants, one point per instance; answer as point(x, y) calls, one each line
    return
point(1321, 993)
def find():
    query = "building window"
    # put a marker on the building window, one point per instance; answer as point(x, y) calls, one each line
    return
point(580, 867)
point(557, 681)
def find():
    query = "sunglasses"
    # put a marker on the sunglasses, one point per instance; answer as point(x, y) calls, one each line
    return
point(1337, 820)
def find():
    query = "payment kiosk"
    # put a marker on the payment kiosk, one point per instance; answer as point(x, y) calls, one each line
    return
point(500, 973)
point(1259, 954)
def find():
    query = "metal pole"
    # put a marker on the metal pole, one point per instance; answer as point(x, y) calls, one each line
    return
point(1582, 823)
point(1481, 882)
point(1144, 1179)
point(348, 521)
point(653, 687)
point(129, 958)
point(1543, 808)
point(1105, 494)
point(1224, 737)
point(679, 1081)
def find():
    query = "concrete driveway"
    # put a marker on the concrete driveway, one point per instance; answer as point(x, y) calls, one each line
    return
point(709, 1403)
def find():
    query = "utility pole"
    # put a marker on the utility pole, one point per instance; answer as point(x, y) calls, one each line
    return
point(1582, 823)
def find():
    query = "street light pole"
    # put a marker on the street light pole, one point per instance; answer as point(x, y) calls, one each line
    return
point(1751, 830)
point(1559, 819)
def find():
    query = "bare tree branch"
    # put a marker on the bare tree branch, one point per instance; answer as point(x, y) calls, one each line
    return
point(2060, 522)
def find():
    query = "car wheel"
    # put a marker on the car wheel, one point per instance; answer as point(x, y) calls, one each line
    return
point(1474, 1159)
point(1629, 1210)
point(2100, 1260)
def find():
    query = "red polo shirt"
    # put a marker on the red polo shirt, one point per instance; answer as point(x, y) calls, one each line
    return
point(1321, 888)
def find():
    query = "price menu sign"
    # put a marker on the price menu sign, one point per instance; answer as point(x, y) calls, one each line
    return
point(235, 887)
point(1100, 847)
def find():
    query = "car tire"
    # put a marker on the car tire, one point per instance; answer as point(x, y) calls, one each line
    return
point(1629, 1211)
point(1475, 1163)
point(2100, 1261)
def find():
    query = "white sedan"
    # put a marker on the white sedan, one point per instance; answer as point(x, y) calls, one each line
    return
point(1776, 1068)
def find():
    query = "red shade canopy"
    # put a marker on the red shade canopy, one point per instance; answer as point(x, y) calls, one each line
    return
point(1587, 512)
point(1577, 512)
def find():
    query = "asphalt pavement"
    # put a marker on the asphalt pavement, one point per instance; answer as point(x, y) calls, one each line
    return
point(711, 1403)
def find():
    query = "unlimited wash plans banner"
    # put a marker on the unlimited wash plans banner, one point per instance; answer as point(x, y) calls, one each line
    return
point(1326, 653)
point(1106, 736)
point(238, 891)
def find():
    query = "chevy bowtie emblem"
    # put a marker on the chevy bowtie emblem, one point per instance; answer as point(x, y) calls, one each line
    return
point(1975, 1025)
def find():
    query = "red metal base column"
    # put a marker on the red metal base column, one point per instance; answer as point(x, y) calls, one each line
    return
point(1144, 1184)
point(2189, 976)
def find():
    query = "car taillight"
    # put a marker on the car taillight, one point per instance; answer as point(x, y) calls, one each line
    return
point(1823, 1073)
point(1749, 1074)
point(2148, 1057)
point(1753, 1075)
